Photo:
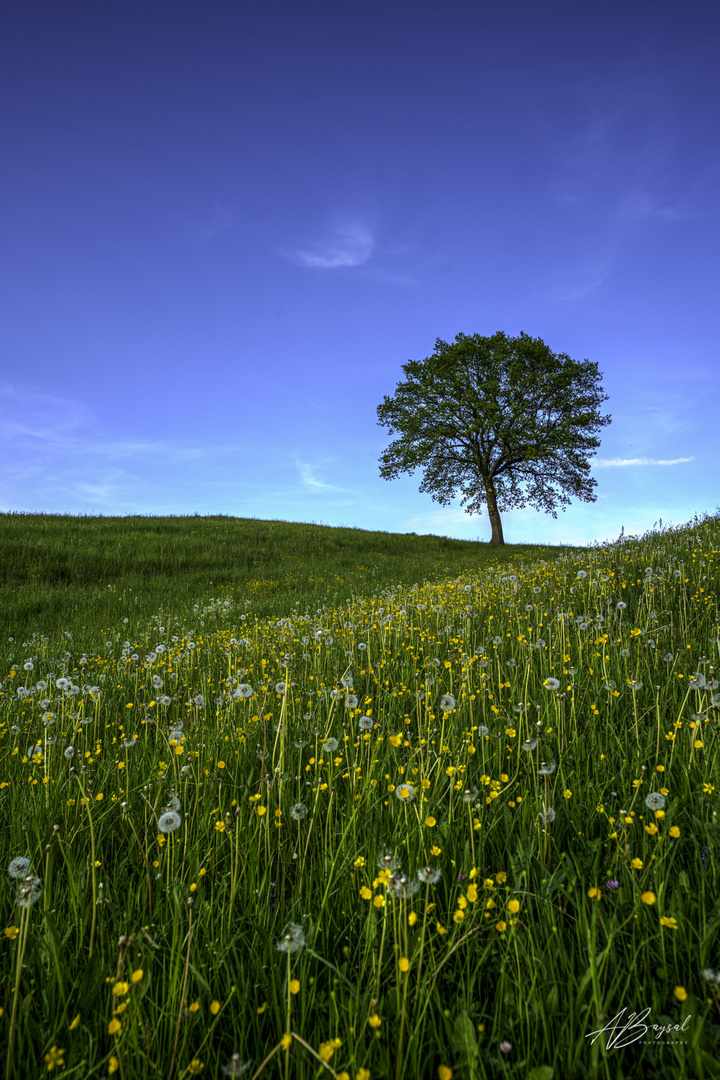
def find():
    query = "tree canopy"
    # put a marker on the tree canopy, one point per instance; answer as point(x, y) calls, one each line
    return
point(501, 421)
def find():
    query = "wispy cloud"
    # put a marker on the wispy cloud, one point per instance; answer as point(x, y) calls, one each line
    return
point(37, 422)
point(218, 220)
point(438, 522)
point(309, 479)
point(611, 178)
point(612, 463)
point(61, 459)
point(350, 244)
point(300, 397)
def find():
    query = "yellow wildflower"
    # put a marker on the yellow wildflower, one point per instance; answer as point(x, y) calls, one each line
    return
point(54, 1057)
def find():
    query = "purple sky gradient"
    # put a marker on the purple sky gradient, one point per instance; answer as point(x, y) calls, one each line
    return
point(225, 226)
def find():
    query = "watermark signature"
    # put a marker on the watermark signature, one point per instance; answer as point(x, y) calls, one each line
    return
point(625, 1030)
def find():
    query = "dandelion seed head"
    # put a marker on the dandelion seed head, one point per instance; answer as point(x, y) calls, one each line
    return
point(19, 867)
point(293, 939)
point(28, 892)
point(400, 885)
point(655, 800)
point(169, 821)
point(429, 875)
point(236, 1066)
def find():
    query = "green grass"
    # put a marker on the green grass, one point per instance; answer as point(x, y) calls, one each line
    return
point(564, 893)
point(60, 573)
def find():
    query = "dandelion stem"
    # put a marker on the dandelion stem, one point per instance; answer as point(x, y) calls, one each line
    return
point(147, 864)
point(398, 1064)
point(24, 922)
point(184, 988)
point(422, 946)
point(269, 1058)
point(93, 870)
point(380, 953)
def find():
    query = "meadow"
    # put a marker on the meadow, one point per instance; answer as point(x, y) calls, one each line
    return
point(357, 805)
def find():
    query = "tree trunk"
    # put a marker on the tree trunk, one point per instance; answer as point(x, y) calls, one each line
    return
point(497, 533)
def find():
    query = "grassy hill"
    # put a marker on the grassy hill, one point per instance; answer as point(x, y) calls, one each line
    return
point(83, 574)
point(445, 830)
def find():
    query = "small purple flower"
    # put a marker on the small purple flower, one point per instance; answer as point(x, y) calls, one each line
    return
point(461, 877)
point(505, 1047)
point(612, 884)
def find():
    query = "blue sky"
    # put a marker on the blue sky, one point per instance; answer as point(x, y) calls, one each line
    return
point(225, 226)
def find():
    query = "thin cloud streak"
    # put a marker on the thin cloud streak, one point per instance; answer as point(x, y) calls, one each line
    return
point(309, 480)
point(351, 245)
point(41, 422)
point(611, 463)
point(618, 204)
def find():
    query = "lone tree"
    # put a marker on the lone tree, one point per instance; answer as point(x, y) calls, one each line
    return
point(484, 415)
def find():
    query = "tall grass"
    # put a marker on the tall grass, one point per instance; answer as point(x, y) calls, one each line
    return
point(83, 574)
point(451, 827)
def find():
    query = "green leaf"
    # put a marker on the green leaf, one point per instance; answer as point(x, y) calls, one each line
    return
point(463, 1039)
point(541, 1072)
point(311, 952)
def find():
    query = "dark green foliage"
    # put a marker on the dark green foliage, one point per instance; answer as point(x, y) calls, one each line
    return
point(500, 421)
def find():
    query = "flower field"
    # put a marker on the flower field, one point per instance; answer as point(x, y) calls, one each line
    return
point(450, 829)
